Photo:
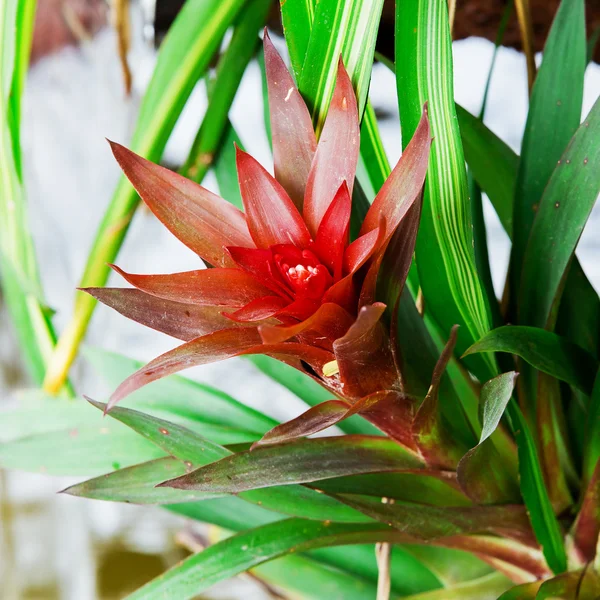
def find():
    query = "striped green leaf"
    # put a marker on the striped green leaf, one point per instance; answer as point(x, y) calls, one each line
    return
point(494, 167)
point(346, 29)
point(445, 256)
point(18, 268)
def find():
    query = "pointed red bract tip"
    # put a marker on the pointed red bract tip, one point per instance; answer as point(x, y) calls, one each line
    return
point(337, 152)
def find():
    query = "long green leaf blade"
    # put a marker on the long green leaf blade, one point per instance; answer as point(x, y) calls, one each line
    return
point(229, 72)
point(18, 268)
point(346, 29)
point(302, 461)
point(445, 256)
point(545, 351)
point(562, 214)
point(251, 548)
point(554, 114)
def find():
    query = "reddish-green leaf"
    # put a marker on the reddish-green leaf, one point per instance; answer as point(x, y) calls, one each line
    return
point(431, 434)
point(226, 287)
point(302, 461)
point(182, 321)
point(200, 219)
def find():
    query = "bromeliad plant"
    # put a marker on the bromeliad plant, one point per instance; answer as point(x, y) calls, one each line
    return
point(471, 437)
point(286, 280)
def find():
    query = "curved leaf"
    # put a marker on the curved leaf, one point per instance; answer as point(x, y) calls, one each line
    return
point(137, 484)
point(301, 461)
point(563, 211)
point(543, 350)
point(254, 547)
point(553, 117)
point(444, 251)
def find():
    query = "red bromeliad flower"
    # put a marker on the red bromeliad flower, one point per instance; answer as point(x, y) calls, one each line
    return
point(287, 281)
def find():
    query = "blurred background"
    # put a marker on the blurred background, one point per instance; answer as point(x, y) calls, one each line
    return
point(81, 90)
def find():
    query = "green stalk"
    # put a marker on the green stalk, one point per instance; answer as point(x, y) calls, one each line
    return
point(18, 266)
point(184, 57)
point(230, 70)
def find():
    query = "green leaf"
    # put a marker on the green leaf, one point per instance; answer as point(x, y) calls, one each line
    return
point(581, 584)
point(545, 525)
point(479, 472)
point(252, 548)
point(482, 258)
point(297, 17)
point(20, 280)
point(592, 432)
point(346, 29)
point(229, 72)
point(492, 163)
point(197, 451)
point(437, 488)
point(445, 256)
point(525, 591)
point(301, 461)
point(554, 114)
point(82, 448)
point(137, 484)
point(562, 214)
point(312, 580)
point(494, 166)
point(495, 395)
point(555, 451)
point(544, 351)
point(184, 57)
point(484, 588)
point(408, 574)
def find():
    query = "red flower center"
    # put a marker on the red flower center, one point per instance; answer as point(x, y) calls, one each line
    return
point(302, 272)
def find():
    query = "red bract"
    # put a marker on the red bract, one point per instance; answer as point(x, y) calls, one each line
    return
point(286, 280)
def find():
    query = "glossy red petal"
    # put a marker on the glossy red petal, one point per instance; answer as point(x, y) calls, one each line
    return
point(298, 310)
point(200, 219)
point(259, 263)
point(337, 152)
point(344, 293)
point(219, 287)
point(258, 310)
point(402, 188)
point(181, 321)
point(294, 141)
point(272, 217)
point(363, 248)
point(330, 321)
point(202, 350)
point(364, 355)
point(332, 236)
